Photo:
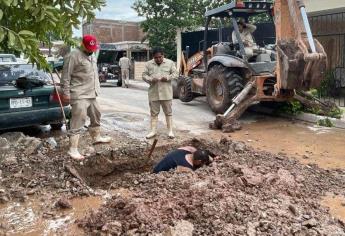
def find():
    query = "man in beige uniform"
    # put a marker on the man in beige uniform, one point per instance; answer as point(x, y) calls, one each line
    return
point(246, 32)
point(125, 64)
point(80, 85)
point(159, 73)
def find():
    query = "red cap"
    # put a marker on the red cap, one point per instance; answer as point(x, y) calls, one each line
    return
point(90, 43)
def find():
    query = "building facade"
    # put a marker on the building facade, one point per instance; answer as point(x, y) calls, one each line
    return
point(114, 31)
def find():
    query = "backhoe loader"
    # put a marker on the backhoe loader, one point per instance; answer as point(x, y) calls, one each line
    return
point(232, 80)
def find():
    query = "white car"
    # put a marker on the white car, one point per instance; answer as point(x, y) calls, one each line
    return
point(7, 58)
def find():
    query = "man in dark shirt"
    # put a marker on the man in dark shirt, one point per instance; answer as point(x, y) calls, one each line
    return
point(186, 157)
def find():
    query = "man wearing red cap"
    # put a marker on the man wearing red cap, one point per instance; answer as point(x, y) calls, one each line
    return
point(80, 85)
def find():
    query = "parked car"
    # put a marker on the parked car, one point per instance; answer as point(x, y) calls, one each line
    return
point(108, 72)
point(7, 58)
point(27, 107)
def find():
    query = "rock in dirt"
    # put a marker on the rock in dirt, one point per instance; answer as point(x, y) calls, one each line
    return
point(113, 228)
point(310, 223)
point(31, 145)
point(63, 203)
point(4, 148)
point(4, 145)
point(238, 147)
point(14, 138)
point(51, 142)
point(181, 228)
point(9, 160)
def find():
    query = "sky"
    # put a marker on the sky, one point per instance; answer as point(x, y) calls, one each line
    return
point(116, 10)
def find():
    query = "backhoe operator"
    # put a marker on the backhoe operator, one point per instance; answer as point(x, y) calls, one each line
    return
point(246, 33)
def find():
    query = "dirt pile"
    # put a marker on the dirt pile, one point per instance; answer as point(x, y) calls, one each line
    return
point(242, 193)
point(33, 166)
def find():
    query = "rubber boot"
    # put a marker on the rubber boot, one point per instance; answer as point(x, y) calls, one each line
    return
point(95, 133)
point(153, 133)
point(73, 150)
point(170, 127)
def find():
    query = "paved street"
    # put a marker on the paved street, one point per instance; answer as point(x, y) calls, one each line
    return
point(193, 116)
point(127, 110)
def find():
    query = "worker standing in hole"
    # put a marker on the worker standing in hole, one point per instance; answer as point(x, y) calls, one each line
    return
point(158, 73)
point(184, 158)
point(246, 33)
point(125, 65)
point(80, 86)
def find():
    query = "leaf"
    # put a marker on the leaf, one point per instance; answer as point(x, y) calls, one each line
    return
point(27, 4)
point(11, 38)
point(7, 2)
point(15, 3)
point(1, 14)
point(26, 33)
point(2, 34)
point(36, 11)
point(22, 43)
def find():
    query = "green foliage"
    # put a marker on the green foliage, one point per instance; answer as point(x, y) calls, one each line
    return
point(325, 122)
point(291, 107)
point(314, 93)
point(25, 24)
point(295, 107)
point(335, 112)
point(164, 17)
point(327, 85)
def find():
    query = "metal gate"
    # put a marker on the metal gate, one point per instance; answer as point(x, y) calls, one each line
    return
point(329, 28)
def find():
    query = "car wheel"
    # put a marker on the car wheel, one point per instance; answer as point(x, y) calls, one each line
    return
point(56, 126)
point(119, 83)
point(222, 85)
point(185, 89)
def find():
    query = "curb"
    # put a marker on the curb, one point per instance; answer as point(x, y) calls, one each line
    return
point(138, 85)
point(307, 117)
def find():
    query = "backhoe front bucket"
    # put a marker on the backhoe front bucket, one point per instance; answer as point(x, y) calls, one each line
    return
point(302, 60)
point(297, 70)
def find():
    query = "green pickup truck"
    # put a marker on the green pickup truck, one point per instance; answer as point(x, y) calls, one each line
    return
point(27, 107)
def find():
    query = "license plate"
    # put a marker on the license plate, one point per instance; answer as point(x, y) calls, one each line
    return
point(20, 102)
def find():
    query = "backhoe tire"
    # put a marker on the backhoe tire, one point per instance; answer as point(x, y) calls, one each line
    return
point(175, 89)
point(185, 89)
point(222, 85)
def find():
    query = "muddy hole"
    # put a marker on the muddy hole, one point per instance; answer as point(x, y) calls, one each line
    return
point(103, 169)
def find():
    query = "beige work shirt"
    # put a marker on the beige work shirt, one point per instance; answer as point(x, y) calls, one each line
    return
point(160, 90)
point(246, 36)
point(80, 76)
point(124, 63)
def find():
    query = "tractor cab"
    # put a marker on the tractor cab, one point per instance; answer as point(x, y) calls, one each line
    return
point(253, 57)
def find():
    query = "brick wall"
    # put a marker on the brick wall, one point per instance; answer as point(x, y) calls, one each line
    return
point(138, 70)
point(111, 31)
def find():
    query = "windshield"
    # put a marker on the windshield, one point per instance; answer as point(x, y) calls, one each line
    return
point(9, 73)
point(7, 58)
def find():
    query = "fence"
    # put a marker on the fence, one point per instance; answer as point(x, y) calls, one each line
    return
point(329, 28)
point(265, 34)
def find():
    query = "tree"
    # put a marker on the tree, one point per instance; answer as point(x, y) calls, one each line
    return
point(24, 24)
point(164, 17)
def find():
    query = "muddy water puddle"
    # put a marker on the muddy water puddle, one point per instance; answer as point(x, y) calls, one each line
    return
point(308, 143)
point(336, 205)
point(31, 218)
